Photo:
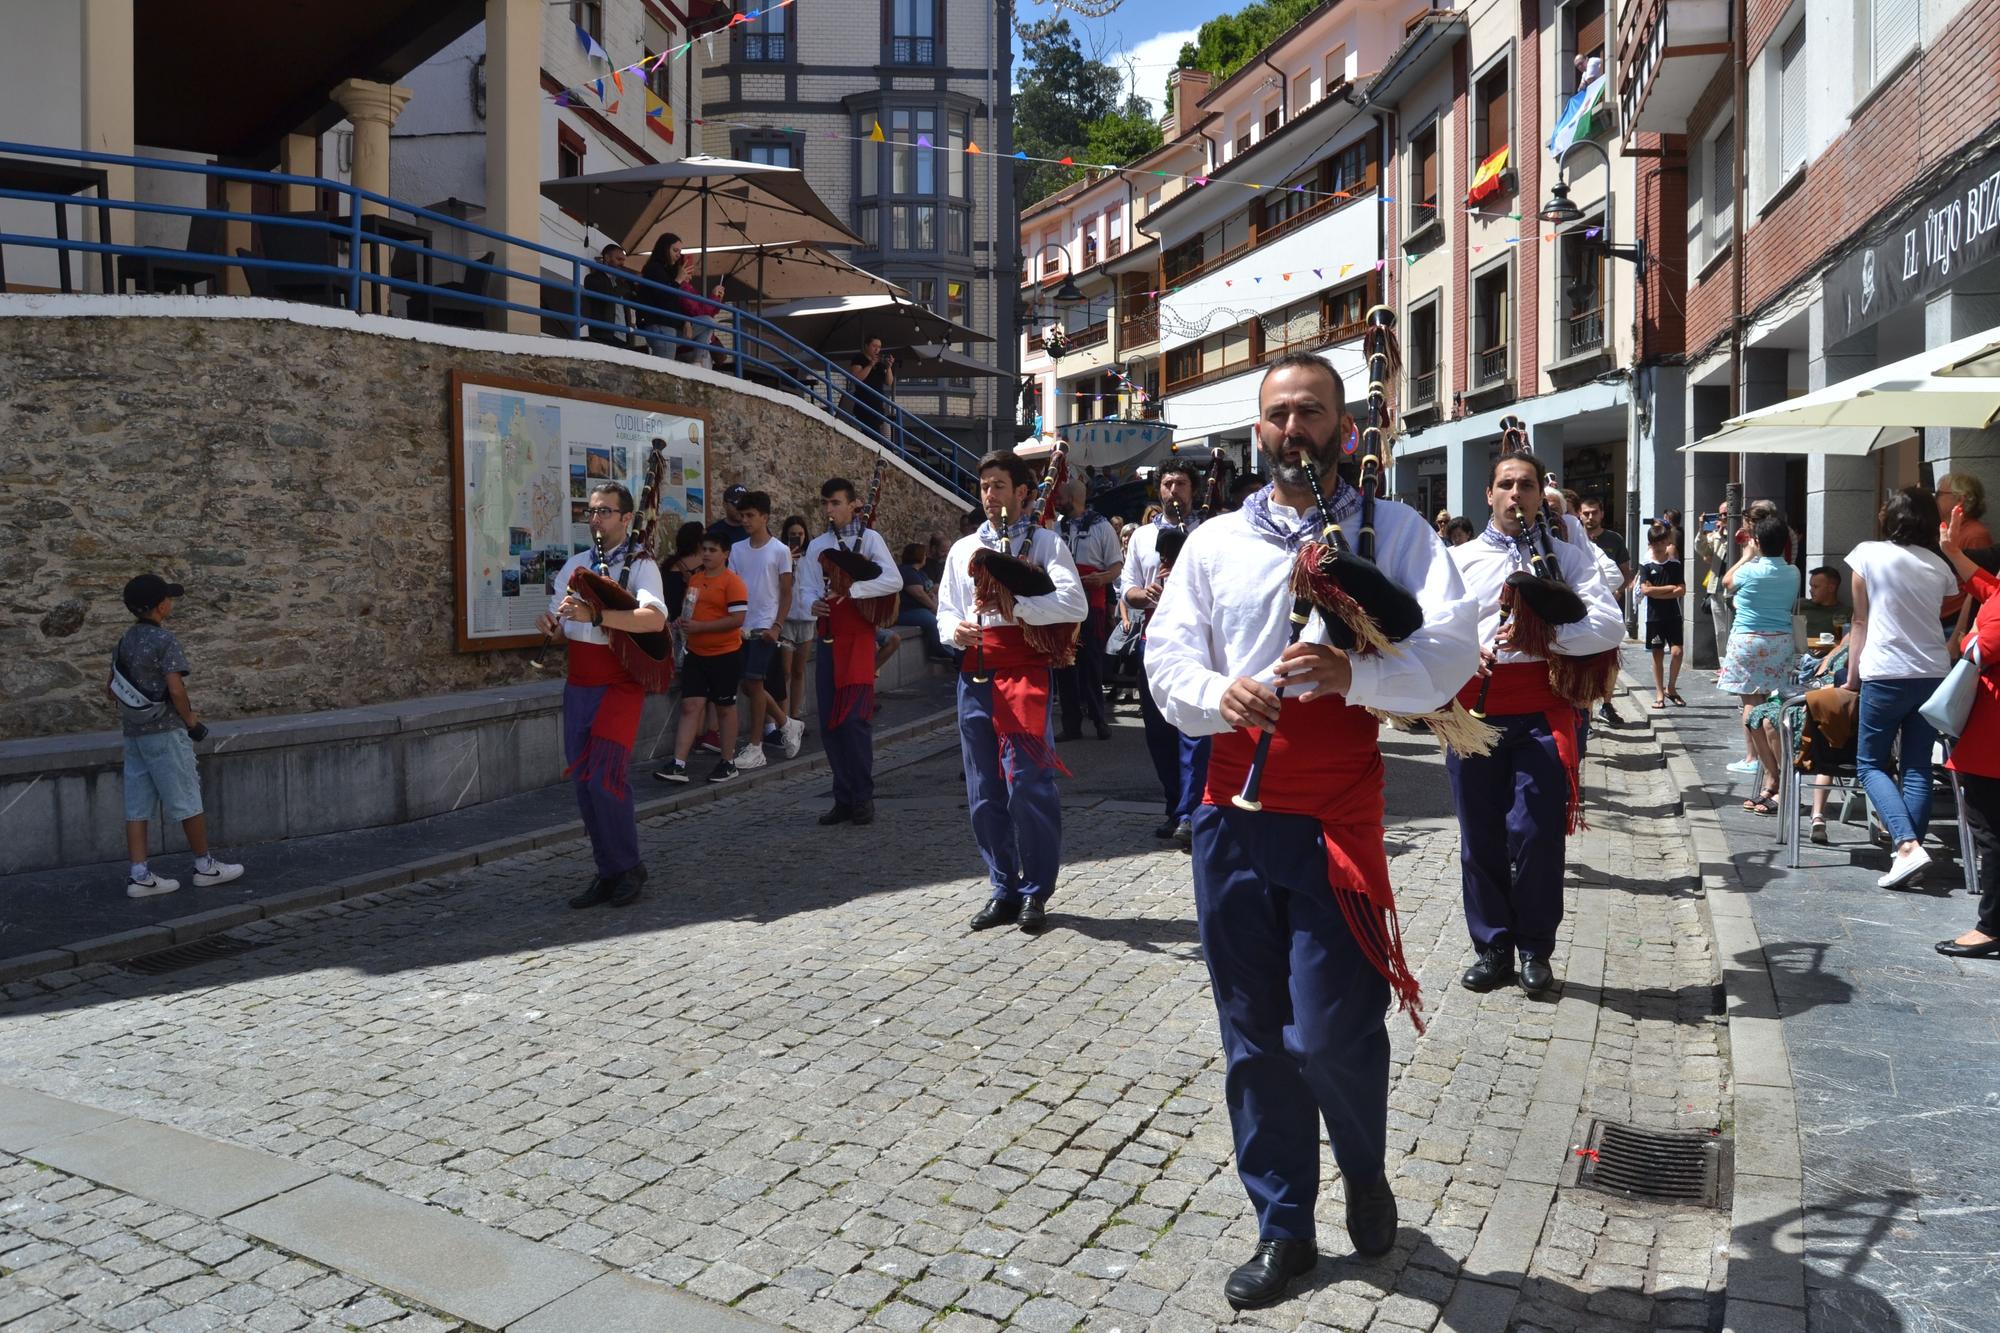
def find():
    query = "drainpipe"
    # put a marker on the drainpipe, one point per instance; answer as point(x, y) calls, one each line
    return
point(1284, 93)
point(1739, 56)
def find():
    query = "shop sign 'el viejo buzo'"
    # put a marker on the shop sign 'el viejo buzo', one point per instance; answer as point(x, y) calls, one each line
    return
point(1953, 231)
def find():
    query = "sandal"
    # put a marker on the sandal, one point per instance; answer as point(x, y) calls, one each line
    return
point(1674, 698)
point(1765, 803)
point(1659, 701)
point(1819, 829)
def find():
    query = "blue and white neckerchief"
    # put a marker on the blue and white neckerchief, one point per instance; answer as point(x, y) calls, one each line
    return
point(1017, 537)
point(853, 528)
point(1188, 522)
point(1257, 509)
point(1072, 528)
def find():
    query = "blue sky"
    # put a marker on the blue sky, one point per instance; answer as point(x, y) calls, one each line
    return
point(1146, 33)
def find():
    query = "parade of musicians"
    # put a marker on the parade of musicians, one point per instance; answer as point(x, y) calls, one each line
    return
point(1046, 666)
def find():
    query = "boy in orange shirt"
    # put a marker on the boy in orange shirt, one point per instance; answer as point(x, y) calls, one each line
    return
point(712, 620)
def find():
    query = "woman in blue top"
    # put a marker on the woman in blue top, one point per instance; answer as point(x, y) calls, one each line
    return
point(1760, 643)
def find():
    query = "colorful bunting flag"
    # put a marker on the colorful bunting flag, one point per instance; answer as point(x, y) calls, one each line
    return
point(923, 141)
point(875, 134)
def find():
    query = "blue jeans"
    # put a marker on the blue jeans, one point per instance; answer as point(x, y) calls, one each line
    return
point(1889, 710)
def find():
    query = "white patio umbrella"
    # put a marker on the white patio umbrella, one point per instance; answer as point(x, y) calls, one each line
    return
point(842, 323)
point(1954, 385)
point(793, 270)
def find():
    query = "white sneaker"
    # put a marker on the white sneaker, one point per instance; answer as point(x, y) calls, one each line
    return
point(751, 756)
point(1904, 865)
point(150, 887)
point(1745, 766)
point(222, 874)
point(794, 733)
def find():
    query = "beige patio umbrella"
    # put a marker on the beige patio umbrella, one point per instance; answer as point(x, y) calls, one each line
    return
point(794, 270)
point(706, 201)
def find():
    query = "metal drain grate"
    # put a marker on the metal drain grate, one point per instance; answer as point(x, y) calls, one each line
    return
point(1659, 1165)
point(191, 954)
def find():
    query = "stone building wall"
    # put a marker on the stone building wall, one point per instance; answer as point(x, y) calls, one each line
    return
point(297, 479)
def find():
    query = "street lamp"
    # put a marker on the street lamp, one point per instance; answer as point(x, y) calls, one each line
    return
point(1562, 212)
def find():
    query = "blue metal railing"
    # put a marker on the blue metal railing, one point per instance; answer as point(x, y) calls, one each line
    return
point(650, 314)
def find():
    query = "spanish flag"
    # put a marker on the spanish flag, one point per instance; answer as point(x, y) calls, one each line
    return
point(1486, 180)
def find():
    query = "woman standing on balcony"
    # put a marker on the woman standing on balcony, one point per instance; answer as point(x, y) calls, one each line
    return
point(1898, 658)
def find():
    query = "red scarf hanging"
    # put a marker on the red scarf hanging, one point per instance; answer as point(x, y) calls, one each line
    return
point(1523, 687)
point(1325, 763)
point(1093, 593)
point(606, 759)
point(853, 650)
point(1020, 696)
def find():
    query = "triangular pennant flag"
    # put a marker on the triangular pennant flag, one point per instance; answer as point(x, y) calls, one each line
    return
point(1478, 248)
point(923, 141)
point(1414, 258)
point(1258, 280)
point(600, 90)
point(618, 80)
point(1201, 180)
point(1318, 274)
point(971, 147)
point(1067, 161)
point(1386, 199)
point(1379, 263)
point(875, 134)
point(1513, 240)
point(1022, 156)
point(612, 110)
point(1343, 270)
point(1287, 277)
point(562, 99)
point(655, 111)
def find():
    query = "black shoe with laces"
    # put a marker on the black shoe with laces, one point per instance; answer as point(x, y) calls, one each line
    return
point(840, 814)
point(1269, 1271)
point(1184, 835)
point(1034, 916)
point(627, 889)
point(598, 892)
point(1535, 974)
point(1371, 1217)
point(864, 812)
point(677, 771)
point(725, 771)
point(1494, 968)
point(997, 912)
point(1168, 827)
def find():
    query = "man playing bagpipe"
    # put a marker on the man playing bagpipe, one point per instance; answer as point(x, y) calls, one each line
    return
point(1092, 540)
point(1179, 760)
point(603, 698)
point(837, 583)
point(1274, 632)
point(1549, 620)
point(1011, 599)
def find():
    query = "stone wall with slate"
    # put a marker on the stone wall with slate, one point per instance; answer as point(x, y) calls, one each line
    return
point(297, 478)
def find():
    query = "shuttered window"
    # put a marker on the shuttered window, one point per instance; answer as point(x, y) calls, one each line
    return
point(1491, 109)
point(1893, 27)
point(1721, 187)
point(1424, 174)
point(1590, 28)
point(1792, 97)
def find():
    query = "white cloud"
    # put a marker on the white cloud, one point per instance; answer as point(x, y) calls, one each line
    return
point(1145, 65)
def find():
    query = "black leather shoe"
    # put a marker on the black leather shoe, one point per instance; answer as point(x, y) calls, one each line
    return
point(1535, 974)
point(1034, 917)
point(1953, 949)
point(627, 889)
point(1167, 828)
point(598, 892)
point(997, 912)
point(864, 812)
point(1494, 968)
point(1371, 1217)
point(1103, 730)
point(1263, 1280)
point(1184, 835)
point(1068, 734)
point(840, 814)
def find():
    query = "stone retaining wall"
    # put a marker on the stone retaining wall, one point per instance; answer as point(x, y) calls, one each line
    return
point(294, 473)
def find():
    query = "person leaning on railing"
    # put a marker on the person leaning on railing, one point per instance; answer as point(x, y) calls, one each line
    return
point(1976, 757)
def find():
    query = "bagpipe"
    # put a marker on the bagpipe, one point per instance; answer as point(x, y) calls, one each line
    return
point(1539, 601)
point(647, 657)
point(1365, 611)
point(999, 577)
point(843, 567)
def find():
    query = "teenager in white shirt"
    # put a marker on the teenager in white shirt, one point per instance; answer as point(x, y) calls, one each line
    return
point(765, 566)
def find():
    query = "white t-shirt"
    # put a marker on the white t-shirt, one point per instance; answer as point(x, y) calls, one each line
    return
point(643, 583)
point(760, 568)
point(1907, 586)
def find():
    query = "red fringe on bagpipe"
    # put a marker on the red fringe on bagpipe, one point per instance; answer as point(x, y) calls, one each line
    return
point(1533, 636)
point(1584, 682)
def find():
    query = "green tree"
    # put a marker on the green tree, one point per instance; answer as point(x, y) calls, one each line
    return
point(1122, 136)
point(1061, 94)
point(1229, 42)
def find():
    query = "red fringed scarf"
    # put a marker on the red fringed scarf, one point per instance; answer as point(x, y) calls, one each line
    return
point(1523, 687)
point(853, 650)
point(606, 760)
point(1325, 763)
point(1020, 697)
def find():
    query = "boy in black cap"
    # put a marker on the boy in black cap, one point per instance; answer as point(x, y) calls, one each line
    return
point(160, 728)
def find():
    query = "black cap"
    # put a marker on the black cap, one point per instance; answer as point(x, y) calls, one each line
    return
point(736, 494)
point(147, 591)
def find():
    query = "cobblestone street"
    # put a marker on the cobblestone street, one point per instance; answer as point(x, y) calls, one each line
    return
point(789, 1080)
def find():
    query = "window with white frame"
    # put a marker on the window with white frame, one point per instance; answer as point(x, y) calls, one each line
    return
point(1886, 31)
point(1719, 189)
point(1790, 87)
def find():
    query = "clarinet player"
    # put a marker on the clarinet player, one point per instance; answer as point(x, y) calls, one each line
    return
point(1301, 998)
point(1515, 804)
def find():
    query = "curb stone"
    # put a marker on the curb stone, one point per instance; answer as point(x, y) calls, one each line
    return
point(1766, 1285)
point(143, 940)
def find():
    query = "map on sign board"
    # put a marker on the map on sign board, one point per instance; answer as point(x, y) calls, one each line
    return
point(525, 459)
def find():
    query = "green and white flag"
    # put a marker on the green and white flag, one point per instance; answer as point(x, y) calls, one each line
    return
point(1580, 117)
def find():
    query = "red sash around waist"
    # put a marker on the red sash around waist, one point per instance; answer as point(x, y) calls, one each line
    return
point(1094, 593)
point(1522, 688)
point(1020, 675)
point(1324, 763)
point(606, 758)
point(853, 650)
